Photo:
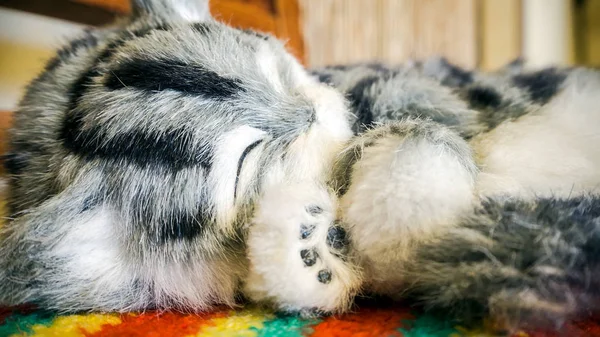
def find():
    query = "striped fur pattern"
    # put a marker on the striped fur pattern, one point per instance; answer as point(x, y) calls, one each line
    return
point(139, 155)
point(476, 193)
point(172, 162)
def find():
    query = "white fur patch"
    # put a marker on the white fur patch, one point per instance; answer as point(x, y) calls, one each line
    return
point(228, 152)
point(312, 154)
point(195, 284)
point(93, 256)
point(402, 192)
point(267, 63)
point(102, 271)
point(192, 10)
point(552, 152)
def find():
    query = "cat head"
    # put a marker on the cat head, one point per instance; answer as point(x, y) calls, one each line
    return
point(173, 59)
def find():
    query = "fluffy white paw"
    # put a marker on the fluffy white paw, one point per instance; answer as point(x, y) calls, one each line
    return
point(400, 185)
point(299, 255)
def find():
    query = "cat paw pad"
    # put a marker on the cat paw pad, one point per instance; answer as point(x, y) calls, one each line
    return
point(325, 239)
point(300, 255)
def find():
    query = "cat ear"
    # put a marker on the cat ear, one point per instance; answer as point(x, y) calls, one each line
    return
point(172, 10)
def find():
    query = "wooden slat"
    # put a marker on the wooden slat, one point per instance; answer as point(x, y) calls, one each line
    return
point(590, 55)
point(446, 27)
point(341, 31)
point(501, 32)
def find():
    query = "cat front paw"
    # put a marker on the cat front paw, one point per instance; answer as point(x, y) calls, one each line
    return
point(300, 256)
point(314, 253)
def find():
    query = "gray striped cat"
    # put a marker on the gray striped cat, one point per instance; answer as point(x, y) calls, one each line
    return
point(172, 162)
point(474, 192)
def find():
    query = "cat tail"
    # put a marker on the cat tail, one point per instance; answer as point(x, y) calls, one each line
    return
point(172, 10)
point(523, 263)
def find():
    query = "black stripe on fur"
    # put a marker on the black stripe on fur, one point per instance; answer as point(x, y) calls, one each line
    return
point(16, 162)
point(255, 33)
point(522, 262)
point(362, 103)
point(87, 41)
point(340, 67)
point(20, 156)
point(493, 108)
point(480, 97)
point(323, 77)
point(241, 163)
point(184, 226)
point(158, 220)
point(170, 149)
point(341, 177)
point(456, 77)
point(80, 86)
point(170, 74)
point(542, 85)
point(202, 27)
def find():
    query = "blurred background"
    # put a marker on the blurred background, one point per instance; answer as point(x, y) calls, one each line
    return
point(471, 33)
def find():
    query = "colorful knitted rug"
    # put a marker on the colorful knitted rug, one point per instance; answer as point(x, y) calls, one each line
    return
point(368, 320)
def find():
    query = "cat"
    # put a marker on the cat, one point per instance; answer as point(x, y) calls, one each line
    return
point(173, 162)
point(503, 221)
point(138, 156)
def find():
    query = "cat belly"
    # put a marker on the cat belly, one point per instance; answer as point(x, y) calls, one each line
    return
point(552, 152)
